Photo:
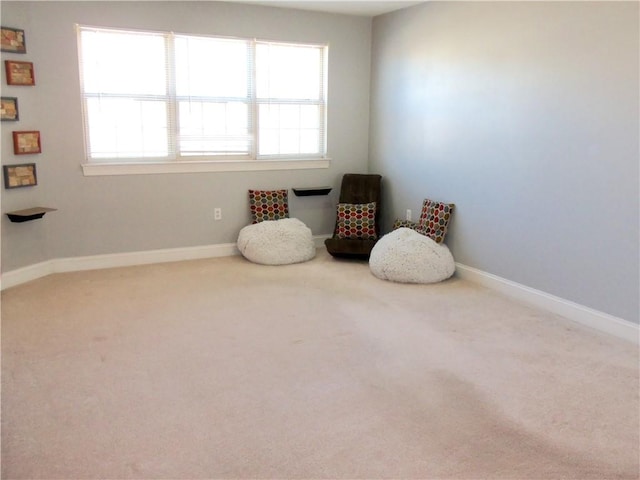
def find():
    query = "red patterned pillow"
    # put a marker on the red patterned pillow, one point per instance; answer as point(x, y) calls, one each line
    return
point(268, 205)
point(406, 224)
point(434, 219)
point(357, 220)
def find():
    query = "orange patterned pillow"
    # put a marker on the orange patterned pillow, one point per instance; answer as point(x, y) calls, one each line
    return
point(357, 220)
point(268, 205)
point(406, 224)
point(434, 219)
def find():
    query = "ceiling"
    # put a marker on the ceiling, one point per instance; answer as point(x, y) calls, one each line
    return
point(369, 8)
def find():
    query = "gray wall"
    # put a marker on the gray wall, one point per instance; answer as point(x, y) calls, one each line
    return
point(101, 215)
point(525, 115)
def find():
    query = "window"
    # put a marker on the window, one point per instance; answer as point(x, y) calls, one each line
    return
point(165, 97)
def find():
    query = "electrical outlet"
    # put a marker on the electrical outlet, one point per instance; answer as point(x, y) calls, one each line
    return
point(408, 214)
point(217, 214)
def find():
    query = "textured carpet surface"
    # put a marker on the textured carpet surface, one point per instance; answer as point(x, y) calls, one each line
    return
point(222, 368)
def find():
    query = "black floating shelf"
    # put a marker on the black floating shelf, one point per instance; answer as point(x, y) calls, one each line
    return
point(34, 213)
point(309, 191)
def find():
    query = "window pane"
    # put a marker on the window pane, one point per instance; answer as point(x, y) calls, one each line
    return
point(125, 128)
point(211, 67)
point(310, 116)
point(309, 141)
point(214, 128)
point(286, 71)
point(289, 129)
point(289, 142)
point(123, 63)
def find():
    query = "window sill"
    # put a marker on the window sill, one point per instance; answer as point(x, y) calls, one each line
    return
point(98, 169)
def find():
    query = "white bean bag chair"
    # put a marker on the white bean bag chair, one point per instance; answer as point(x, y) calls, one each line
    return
point(277, 242)
point(407, 256)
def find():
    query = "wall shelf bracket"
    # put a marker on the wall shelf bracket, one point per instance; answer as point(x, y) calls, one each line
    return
point(29, 214)
point(309, 191)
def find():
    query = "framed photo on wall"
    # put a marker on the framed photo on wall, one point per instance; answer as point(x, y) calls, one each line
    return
point(12, 40)
point(19, 73)
point(9, 109)
point(25, 143)
point(23, 175)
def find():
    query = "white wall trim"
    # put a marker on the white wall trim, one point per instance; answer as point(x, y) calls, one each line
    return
point(96, 262)
point(26, 274)
point(573, 311)
point(97, 169)
point(127, 259)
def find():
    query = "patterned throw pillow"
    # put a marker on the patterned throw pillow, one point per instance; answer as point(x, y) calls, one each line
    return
point(268, 205)
point(404, 223)
point(357, 220)
point(434, 219)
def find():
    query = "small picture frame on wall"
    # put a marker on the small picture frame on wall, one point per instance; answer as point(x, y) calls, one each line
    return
point(9, 109)
point(19, 73)
point(25, 143)
point(12, 40)
point(23, 175)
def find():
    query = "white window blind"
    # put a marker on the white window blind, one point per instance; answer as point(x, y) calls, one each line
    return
point(290, 101)
point(126, 95)
point(213, 93)
point(159, 96)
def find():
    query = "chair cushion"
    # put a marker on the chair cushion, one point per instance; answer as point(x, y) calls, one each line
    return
point(355, 248)
point(356, 221)
point(277, 242)
point(406, 256)
point(268, 205)
point(434, 219)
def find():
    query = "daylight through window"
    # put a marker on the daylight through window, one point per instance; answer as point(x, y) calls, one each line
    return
point(159, 96)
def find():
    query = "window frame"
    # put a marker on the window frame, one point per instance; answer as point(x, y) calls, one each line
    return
point(175, 162)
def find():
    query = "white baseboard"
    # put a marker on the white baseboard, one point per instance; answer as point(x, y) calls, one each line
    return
point(96, 262)
point(573, 311)
point(26, 274)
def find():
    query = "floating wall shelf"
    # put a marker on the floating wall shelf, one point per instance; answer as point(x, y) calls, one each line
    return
point(29, 214)
point(309, 191)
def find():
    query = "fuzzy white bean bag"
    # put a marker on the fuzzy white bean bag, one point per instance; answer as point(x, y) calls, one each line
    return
point(407, 256)
point(277, 242)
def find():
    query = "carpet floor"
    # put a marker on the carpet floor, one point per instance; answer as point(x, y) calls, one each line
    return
point(220, 368)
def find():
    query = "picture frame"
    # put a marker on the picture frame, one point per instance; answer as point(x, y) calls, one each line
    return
point(18, 176)
point(12, 40)
point(27, 142)
point(19, 73)
point(9, 109)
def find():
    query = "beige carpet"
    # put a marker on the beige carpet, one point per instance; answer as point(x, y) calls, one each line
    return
point(220, 368)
